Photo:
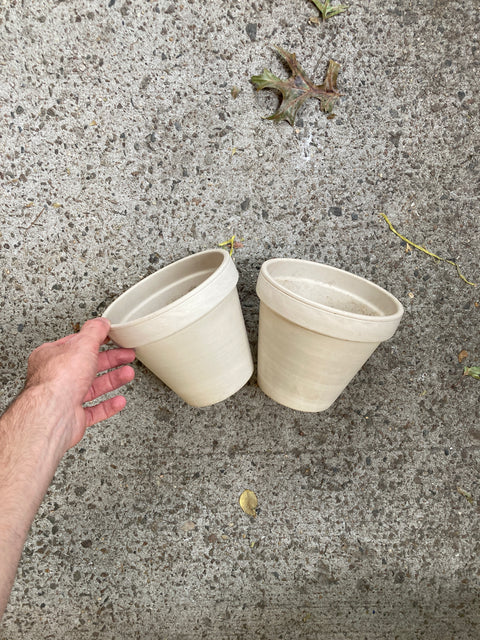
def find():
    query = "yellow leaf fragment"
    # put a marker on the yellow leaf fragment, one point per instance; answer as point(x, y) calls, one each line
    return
point(228, 243)
point(56, 205)
point(231, 244)
point(248, 502)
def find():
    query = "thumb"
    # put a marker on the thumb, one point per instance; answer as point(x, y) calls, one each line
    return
point(96, 329)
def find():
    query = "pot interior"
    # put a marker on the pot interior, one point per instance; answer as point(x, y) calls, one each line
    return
point(339, 290)
point(329, 296)
point(164, 287)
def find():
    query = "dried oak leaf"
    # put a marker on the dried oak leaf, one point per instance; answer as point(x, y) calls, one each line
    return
point(248, 502)
point(298, 88)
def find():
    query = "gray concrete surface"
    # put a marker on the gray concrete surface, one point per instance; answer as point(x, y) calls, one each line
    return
point(122, 149)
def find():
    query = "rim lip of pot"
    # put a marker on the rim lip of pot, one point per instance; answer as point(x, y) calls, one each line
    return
point(322, 318)
point(180, 313)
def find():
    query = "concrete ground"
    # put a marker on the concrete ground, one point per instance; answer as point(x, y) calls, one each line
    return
point(123, 149)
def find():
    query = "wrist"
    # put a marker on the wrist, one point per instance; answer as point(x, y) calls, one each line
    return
point(30, 449)
point(35, 423)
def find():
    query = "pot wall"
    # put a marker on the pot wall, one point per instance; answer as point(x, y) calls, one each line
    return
point(303, 369)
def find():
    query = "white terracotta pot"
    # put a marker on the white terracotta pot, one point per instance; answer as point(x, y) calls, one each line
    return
point(318, 326)
point(186, 325)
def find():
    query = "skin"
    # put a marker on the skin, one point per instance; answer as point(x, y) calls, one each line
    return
point(46, 419)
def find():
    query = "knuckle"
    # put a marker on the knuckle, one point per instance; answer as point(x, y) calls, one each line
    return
point(36, 353)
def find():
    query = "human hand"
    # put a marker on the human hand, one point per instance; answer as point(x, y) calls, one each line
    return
point(65, 375)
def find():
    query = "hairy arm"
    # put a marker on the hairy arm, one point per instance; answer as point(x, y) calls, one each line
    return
point(46, 419)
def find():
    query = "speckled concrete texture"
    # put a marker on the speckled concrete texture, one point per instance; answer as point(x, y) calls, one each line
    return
point(123, 149)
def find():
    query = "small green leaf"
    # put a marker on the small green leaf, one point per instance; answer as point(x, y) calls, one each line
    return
point(327, 11)
point(474, 372)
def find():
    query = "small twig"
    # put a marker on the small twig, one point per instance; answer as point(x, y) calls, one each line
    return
point(429, 253)
point(466, 494)
point(33, 221)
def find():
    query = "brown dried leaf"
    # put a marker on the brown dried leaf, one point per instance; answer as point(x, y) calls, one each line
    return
point(462, 355)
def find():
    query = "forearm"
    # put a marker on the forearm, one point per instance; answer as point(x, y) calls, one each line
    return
point(30, 450)
point(48, 418)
